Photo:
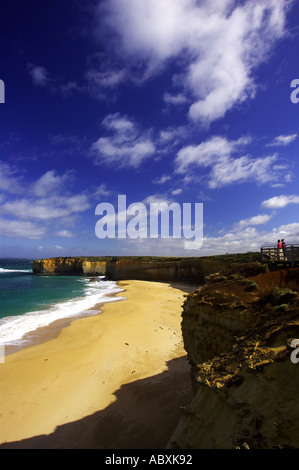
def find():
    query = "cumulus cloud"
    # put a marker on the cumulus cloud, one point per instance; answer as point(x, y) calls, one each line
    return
point(236, 240)
point(223, 162)
point(126, 145)
point(50, 183)
point(255, 220)
point(11, 180)
point(277, 202)
point(207, 153)
point(37, 208)
point(242, 169)
point(249, 238)
point(21, 229)
point(215, 45)
point(45, 209)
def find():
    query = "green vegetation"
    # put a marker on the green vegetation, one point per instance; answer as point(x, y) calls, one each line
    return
point(243, 281)
point(277, 297)
point(239, 279)
point(229, 258)
point(215, 277)
point(282, 308)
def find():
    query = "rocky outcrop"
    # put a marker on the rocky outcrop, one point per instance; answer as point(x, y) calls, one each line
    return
point(140, 268)
point(238, 331)
point(58, 266)
point(238, 334)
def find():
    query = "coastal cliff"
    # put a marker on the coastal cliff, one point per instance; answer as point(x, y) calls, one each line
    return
point(238, 331)
point(139, 268)
point(238, 334)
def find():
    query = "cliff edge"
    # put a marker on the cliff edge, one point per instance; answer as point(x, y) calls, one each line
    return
point(238, 332)
point(146, 268)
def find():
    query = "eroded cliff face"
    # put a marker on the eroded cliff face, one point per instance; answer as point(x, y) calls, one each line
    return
point(58, 266)
point(238, 337)
point(183, 270)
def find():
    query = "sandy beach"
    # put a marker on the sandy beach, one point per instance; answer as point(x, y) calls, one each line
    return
point(116, 380)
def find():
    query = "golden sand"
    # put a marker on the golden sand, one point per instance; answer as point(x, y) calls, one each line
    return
point(114, 380)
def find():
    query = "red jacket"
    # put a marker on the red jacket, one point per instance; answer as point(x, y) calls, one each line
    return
point(279, 245)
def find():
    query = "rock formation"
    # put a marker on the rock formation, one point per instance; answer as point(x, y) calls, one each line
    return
point(238, 334)
point(140, 268)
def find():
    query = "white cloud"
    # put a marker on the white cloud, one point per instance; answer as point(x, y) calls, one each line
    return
point(242, 239)
point(11, 181)
point(176, 192)
point(237, 240)
point(156, 198)
point(172, 136)
point(102, 190)
point(46, 208)
point(21, 229)
point(288, 230)
point(175, 100)
point(162, 179)
point(207, 153)
point(277, 202)
point(255, 220)
point(126, 146)
point(242, 169)
point(64, 233)
point(39, 75)
point(122, 125)
point(282, 140)
point(50, 183)
point(217, 157)
point(104, 79)
point(41, 206)
point(218, 45)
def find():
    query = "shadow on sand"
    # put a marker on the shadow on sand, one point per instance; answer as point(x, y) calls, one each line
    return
point(144, 416)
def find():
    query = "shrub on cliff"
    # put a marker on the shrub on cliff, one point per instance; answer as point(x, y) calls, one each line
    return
point(243, 281)
point(276, 296)
point(215, 277)
point(249, 269)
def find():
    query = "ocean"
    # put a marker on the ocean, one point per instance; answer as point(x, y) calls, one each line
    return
point(28, 301)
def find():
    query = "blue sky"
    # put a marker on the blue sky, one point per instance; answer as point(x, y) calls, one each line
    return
point(159, 100)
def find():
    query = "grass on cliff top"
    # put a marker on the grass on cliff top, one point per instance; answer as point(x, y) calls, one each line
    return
point(229, 258)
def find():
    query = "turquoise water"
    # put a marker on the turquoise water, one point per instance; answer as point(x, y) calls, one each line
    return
point(21, 292)
point(29, 301)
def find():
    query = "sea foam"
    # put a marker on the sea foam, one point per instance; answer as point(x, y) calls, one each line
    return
point(13, 328)
point(4, 270)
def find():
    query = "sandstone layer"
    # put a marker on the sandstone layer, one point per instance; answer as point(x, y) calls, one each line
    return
point(139, 268)
point(239, 335)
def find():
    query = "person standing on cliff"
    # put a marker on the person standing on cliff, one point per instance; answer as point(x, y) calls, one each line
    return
point(283, 245)
point(279, 250)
